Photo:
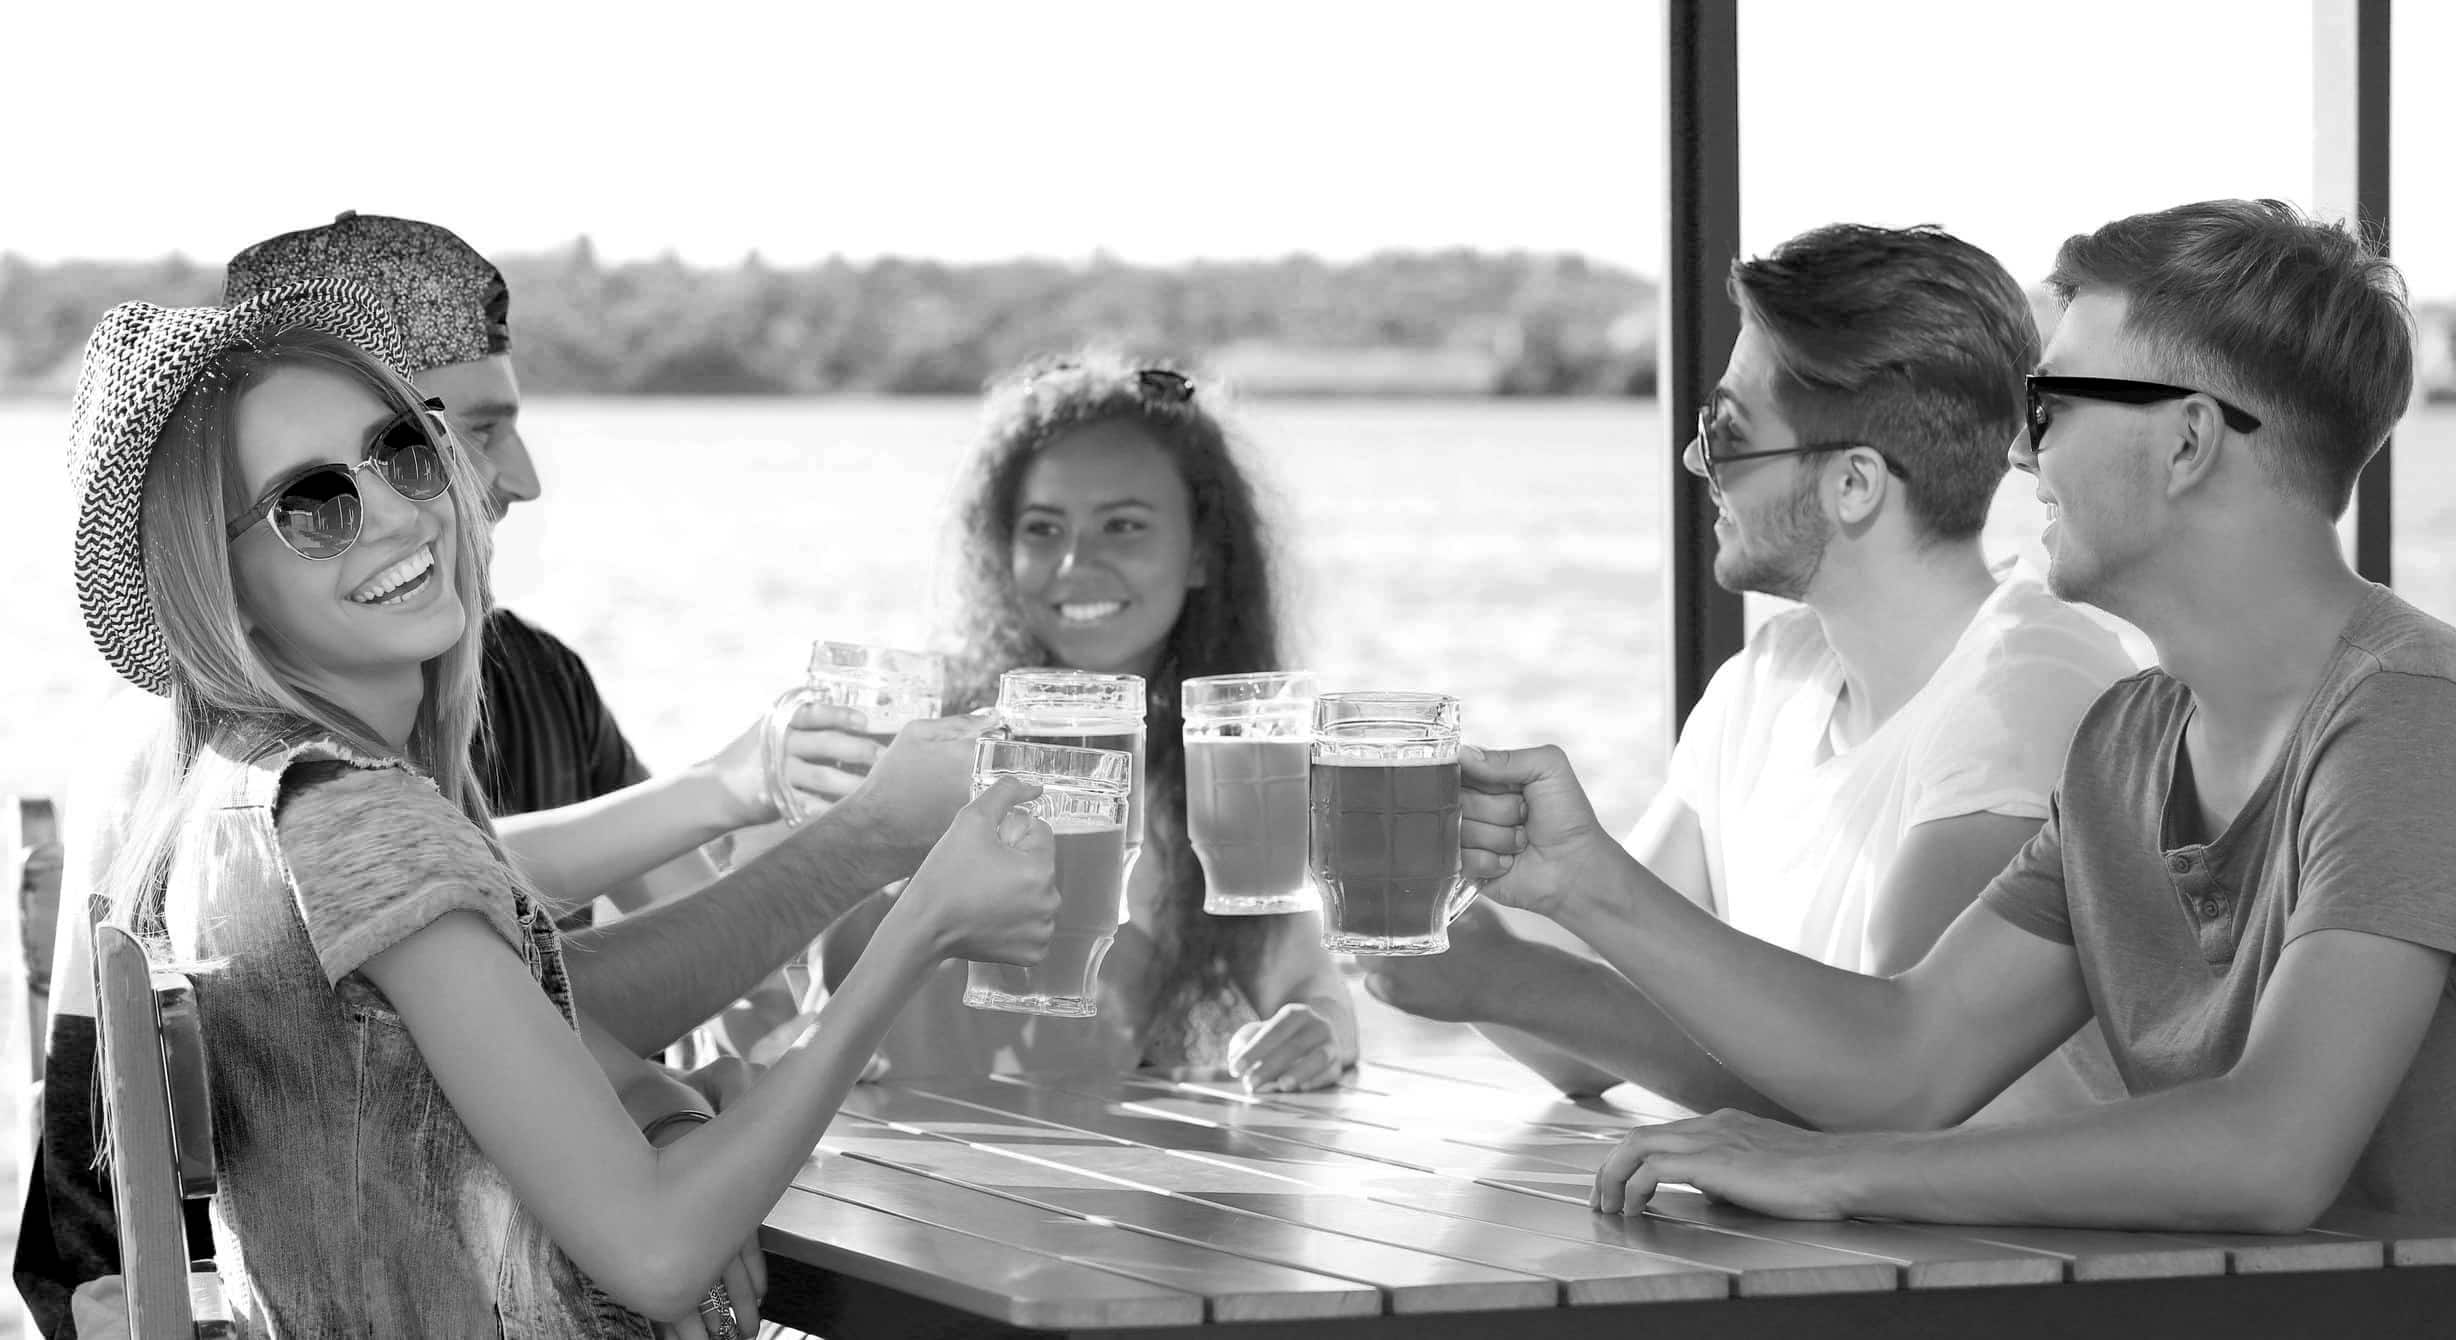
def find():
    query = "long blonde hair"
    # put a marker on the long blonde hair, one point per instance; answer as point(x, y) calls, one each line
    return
point(223, 679)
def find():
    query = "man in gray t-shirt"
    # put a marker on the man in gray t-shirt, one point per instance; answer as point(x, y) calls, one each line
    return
point(2179, 931)
point(2249, 869)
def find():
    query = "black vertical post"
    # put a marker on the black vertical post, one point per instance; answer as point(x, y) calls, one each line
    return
point(2350, 83)
point(1701, 92)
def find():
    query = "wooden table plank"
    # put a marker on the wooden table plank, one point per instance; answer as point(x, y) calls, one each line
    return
point(1305, 1185)
point(2283, 1253)
point(1928, 1261)
point(1622, 1105)
point(1758, 1267)
point(1010, 1284)
point(1328, 1128)
point(1054, 1174)
point(2411, 1240)
point(1235, 1288)
point(2096, 1254)
point(1380, 1095)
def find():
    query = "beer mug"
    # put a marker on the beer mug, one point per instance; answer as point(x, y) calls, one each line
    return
point(1084, 799)
point(890, 687)
point(1246, 759)
point(1384, 800)
point(1084, 709)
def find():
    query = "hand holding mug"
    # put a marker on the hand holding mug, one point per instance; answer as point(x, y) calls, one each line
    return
point(916, 787)
point(988, 890)
point(1529, 832)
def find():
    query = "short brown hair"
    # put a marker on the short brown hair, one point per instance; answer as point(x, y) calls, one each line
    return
point(2301, 321)
point(1908, 339)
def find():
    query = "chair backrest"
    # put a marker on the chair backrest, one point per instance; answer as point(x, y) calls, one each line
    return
point(34, 849)
point(158, 1122)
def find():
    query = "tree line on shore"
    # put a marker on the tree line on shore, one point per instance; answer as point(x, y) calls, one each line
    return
point(1453, 322)
point(1457, 322)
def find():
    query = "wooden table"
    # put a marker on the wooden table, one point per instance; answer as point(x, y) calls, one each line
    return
point(1453, 1204)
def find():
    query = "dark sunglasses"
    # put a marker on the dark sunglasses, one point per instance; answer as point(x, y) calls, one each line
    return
point(1715, 460)
point(2117, 390)
point(317, 512)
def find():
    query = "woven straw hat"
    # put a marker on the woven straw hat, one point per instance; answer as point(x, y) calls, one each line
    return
point(139, 364)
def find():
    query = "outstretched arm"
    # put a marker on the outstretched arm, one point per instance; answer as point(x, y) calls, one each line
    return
point(640, 844)
point(2264, 1148)
point(1842, 1050)
point(653, 1226)
point(648, 979)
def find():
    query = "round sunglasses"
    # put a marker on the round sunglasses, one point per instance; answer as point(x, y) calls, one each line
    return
point(317, 513)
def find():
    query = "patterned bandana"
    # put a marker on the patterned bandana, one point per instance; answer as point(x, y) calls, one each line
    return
point(448, 300)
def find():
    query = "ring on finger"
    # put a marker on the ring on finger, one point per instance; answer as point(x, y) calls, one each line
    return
point(716, 1313)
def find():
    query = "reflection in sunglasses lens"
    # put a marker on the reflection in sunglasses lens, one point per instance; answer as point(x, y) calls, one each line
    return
point(318, 515)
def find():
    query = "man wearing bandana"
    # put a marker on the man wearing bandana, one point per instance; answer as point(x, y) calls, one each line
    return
point(644, 981)
point(555, 740)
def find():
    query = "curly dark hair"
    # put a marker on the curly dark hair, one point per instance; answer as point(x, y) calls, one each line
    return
point(1229, 625)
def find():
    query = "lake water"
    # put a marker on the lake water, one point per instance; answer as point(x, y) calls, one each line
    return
point(1503, 551)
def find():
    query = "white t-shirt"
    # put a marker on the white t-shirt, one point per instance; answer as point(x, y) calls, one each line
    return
point(1799, 838)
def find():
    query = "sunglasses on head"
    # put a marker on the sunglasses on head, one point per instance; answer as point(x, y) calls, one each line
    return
point(2116, 390)
point(317, 512)
point(1161, 384)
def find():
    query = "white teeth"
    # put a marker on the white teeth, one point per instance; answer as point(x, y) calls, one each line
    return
point(393, 578)
point(1091, 611)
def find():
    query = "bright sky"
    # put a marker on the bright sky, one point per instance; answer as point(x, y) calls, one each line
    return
point(1158, 131)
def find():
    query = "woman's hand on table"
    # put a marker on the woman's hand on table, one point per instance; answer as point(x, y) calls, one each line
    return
point(1736, 1157)
point(1295, 1049)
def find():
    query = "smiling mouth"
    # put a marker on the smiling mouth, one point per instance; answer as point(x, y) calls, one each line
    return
point(398, 582)
point(1078, 613)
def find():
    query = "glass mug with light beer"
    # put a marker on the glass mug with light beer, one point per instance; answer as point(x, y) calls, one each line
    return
point(1246, 739)
point(892, 689)
point(1084, 709)
point(1084, 798)
point(1384, 800)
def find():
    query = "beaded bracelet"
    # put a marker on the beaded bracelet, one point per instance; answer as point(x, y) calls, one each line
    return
point(685, 1117)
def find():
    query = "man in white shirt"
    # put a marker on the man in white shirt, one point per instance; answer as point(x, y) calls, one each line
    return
point(1870, 758)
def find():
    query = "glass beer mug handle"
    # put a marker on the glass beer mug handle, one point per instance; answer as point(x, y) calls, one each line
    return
point(1460, 897)
point(780, 792)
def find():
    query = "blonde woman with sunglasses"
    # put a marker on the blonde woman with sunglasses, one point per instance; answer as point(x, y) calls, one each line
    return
point(276, 535)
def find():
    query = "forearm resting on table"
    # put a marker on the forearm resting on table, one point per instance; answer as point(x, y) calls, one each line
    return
point(1839, 1049)
point(651, 978)
point(1590, 1028)
point(579, 852)
point(2205, 1156)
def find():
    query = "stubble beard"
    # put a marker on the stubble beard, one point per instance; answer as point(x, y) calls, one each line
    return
point(1780, 549)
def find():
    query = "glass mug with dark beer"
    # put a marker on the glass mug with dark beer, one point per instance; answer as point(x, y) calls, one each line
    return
point(1384, 800)
point(1246, 740)
point(1085, 709)
point(1084, 799)
point(892, 688)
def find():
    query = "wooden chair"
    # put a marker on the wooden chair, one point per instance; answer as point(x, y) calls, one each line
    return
point(158, 1119)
